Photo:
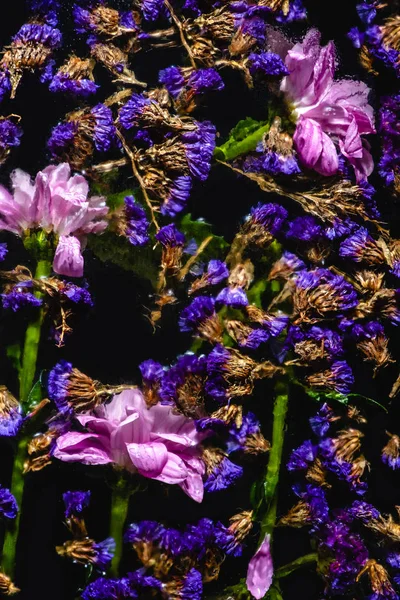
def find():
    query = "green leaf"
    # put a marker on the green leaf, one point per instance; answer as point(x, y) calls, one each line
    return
point(342, 398)
point(243, 138)
point(199, 230)
point(144, 262)
point(256, 292)
point(114, 201)
point(14, 354)
point(35, 396)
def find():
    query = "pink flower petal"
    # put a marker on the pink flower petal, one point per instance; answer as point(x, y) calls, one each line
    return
point(260, 570)
point(86, 448)
point(174, 471)
point(328, 162)
point(351, 146)
point(307, 139)
point(149, 459)
point(68, 259)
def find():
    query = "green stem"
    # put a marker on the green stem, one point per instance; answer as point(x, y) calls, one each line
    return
point(302, 561)
point(233, 148)
point(119, 512)
point(32, 340)
point(270, 498)
point(27, 375)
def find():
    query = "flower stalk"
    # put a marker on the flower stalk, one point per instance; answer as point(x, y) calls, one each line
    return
point(271, 481)
point(119, 512)
point(27, 376)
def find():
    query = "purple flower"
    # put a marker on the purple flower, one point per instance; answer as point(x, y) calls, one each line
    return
point(108, 589)
point(173, 80)
point(177, 196)
point(205, 80)
point(40, 34)
point(320, 424)
point(302, 457)
point(10, 137)
point(224, 474)
point(324, 107)
point(55, 202)
point(151, 371)
point(232, 296)
point(3, 251)
point(270, 216)
point(267, 63)
point(8, 504)
point(137, 223)
point(199, 147)
point(260, 570)
point(19, 297)
point(11, 417)
point(192, 588)
point(169, 236)
point(153, 442)
point(104, 131)
point(306, 229)
point(64, 83)
point(201, 308)
point(75, 502)
point(57, 384)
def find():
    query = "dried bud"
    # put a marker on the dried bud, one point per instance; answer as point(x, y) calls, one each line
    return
point(241, 525)
point(298, 516)
point(316, 474)
point(379, 579)
point(347, 444)
point(6, 586)
point(242, 275)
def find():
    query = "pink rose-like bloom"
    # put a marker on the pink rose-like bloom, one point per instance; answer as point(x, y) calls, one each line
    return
point(260, 570)
point(56, 202)
point(151, 441)
point(329, 113)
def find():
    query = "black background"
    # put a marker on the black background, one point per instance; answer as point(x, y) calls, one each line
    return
point(111, 340)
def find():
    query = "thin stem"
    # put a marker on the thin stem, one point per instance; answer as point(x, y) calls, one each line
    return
point(139, 178)
point(119, 512)
point(181, 33)
point(27, 375)
point(185, 269)
point(270, 498)
point(302, 561)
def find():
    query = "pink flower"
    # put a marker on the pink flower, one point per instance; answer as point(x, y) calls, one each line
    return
point(260, 570)
point(151, 441)
point(56, 202)
point(329, 113)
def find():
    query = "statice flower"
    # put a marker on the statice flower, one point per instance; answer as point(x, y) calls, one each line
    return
point(200, 317)
point(199, 147)
point(10, 137)
point(111, 589)
point(8, 504)
point(75, 502)
point(19, 296)
point(192, 82)
point(55, 202)
point(11, 414)
point(125, 432)
point(389, 117)
point(306, 229)
point(328, 113)
point(75, 77)
point(267, 63)
point(137, 223)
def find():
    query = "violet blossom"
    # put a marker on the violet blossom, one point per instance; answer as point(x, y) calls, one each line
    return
point(328, 113)
point(54, 202)
point(154, 442)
